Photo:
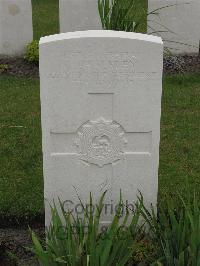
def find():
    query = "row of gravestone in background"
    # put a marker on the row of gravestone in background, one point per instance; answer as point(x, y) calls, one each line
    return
point(178, 24)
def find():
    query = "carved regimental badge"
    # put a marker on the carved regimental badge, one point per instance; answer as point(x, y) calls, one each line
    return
point(101, 142)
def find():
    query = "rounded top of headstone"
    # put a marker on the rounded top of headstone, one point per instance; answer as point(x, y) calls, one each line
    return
point(101, 34)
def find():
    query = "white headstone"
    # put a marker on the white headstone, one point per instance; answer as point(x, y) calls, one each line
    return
point(77, 15)
point(101, 107)
point(178, 24)
point(16, 29)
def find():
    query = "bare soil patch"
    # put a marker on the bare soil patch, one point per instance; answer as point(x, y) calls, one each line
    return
point(15, 246)
point(19, 67)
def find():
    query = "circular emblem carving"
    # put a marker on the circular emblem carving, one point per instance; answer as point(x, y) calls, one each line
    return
point(101, 142)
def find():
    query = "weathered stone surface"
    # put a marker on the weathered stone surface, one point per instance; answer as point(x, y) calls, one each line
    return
point(77, 15)
point(101, 106)
point(178, 23)
point(16, 29)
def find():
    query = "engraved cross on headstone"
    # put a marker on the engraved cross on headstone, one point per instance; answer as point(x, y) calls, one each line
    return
point(101, 140)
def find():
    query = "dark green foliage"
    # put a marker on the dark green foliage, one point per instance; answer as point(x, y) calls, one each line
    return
point(173, 238)
point(123, 15)
point(177, 232)
point(32, 52)
point(76, 241)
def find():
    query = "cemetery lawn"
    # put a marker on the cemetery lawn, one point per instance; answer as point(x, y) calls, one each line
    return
point(45, 17)
point(21, 183)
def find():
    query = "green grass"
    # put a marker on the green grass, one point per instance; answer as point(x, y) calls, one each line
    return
point(180, 131)
point(21, 182)
point(45, 17)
